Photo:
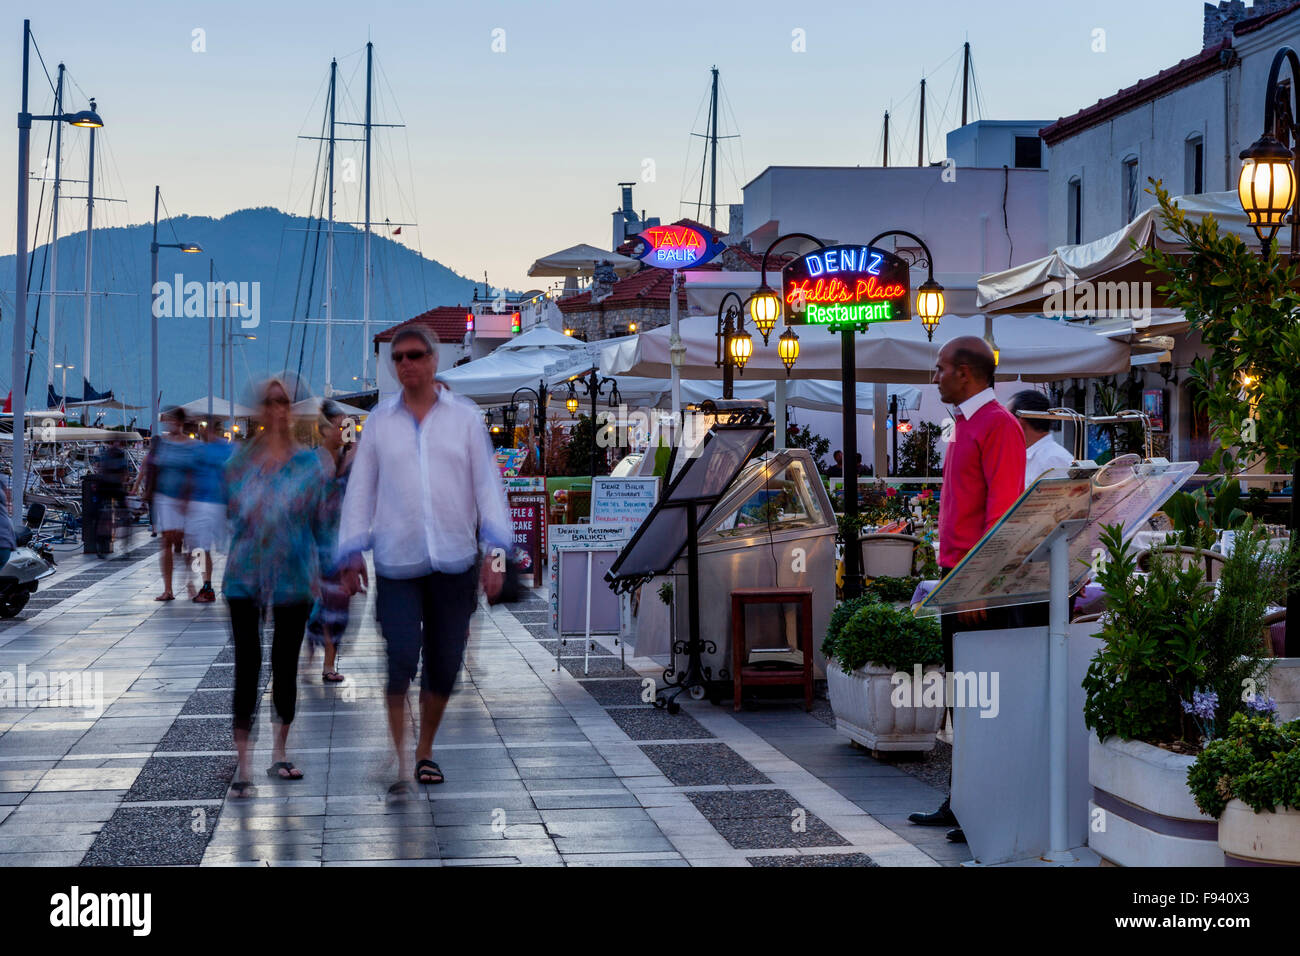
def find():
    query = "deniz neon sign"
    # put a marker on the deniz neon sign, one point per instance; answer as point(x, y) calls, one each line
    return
point(676, 247)
point(846, 287)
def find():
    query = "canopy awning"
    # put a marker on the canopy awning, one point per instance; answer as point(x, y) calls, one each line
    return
point(1032, 349)
point(1052, 284)
point(581, 260)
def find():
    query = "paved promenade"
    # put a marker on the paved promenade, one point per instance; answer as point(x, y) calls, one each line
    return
point(544, 767)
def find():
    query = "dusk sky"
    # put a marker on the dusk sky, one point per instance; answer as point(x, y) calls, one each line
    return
point(510, 155)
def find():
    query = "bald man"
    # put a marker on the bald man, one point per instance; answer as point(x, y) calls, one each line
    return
point(983, 475)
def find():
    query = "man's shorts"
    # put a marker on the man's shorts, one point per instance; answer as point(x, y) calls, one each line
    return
point(430, 614)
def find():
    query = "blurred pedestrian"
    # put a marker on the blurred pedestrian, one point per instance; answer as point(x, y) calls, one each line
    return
point(274, 492)
point(111, 466)
point(329, 616)
point(171, 464)
point(205, 514)
point(424, 494)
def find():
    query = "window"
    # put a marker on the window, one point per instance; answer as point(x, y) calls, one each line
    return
point(1074, 212)
point(1029, 152)
point(785, 502)
point(1194, 167)
point(1131, 190)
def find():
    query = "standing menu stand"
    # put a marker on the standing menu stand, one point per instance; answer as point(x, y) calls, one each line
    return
point(1042, 549)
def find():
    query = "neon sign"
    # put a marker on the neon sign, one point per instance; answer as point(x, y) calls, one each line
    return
point(676, 247)
point(846, 287)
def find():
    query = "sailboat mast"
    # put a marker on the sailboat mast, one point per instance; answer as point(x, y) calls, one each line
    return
point(713, 143)
point(886, 137)
point(329, 244)
point(965, 79)
point(365, 278)
point(90, 227)
point(920, 131)
point(54, 230)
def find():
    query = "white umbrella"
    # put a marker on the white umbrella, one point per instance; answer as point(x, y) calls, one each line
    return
point(1032, 349)
point(581, 260)
point(310, 408)
point(220, 407)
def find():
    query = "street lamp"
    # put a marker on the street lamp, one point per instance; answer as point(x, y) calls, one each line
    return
point(593, 383)
point(787, 346)
point(539, 395)
point(1266, 188)
point(87, 119)
point(154, 246)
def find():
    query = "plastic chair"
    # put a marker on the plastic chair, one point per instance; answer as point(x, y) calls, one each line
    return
point(888, 555)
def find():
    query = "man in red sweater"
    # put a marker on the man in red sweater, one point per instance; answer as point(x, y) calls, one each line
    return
point(983, 475)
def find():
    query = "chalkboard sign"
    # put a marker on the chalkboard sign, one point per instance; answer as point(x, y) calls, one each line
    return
point(623, 501)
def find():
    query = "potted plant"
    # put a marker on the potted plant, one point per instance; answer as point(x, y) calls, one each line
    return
point(1180, 655)
point(888, 691)
point(1250, 781)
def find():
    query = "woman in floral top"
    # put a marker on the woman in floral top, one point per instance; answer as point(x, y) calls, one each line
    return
point(275, 494)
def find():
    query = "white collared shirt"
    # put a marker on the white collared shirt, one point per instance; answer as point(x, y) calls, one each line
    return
point(422, 496)
point(1044, 455)
point(976, 402)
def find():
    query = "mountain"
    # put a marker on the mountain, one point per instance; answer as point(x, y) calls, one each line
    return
point(274, 249)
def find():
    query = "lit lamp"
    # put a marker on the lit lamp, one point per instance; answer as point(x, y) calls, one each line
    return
point(631, 327)
point(571, 403)
point(997, 352)
point(929, 306)
point(787, 346)
point(568, 331)
point(742, 347)
point(1266, 186)
point(764, 308)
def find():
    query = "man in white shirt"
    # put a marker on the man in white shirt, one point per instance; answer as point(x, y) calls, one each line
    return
point(424, 493)
point(1042, 452)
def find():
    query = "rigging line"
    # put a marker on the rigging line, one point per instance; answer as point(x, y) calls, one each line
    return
point(943, 115)
point(311, 285)
point(735, 125)
point(323, 181)
point(41, 58)
point(170, 223)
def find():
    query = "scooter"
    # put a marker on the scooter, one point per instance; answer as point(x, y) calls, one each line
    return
point(27, 565)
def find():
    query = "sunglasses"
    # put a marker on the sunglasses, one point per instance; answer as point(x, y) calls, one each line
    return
point(414, 356)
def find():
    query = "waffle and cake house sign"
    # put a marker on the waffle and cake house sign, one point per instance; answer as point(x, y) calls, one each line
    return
point(846, 287)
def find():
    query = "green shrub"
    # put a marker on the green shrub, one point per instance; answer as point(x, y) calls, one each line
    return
point(841, 615)
point(892, 589)
point(1258, 763)
point(879, 634)
point(1167, 635)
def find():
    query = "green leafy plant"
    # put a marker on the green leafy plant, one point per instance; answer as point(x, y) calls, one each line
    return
point(803, 437)
point(666, 592)
point(1168, 636)
point(918, 455)
point(1196, 519)
point(892, 589)
point(841, 615)
point(1257, 762)
point(880, 635)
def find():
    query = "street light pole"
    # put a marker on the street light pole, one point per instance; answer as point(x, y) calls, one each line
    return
point(539, 418)
point(154, 246)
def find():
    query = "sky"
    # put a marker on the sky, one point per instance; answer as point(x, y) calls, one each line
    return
point(521, 118)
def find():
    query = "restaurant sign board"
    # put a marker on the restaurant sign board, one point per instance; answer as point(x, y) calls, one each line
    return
point(846, 287)
point(676, 247)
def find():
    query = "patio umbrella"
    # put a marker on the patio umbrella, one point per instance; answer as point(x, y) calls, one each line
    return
point(580, 260)
point(1032, 349)
point(220, 407)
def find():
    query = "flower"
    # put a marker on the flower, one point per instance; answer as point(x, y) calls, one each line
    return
point(1262, 705)
point(1203, 704)
point(890, 492)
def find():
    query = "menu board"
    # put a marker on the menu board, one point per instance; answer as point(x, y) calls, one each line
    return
point(568, 546)
point(516, 483)
point(528, 518)
point(998, 572)
point(624, 501)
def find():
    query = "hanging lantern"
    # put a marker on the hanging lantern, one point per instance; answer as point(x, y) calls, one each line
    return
point(1266, 186)
point(742, 347)
point(764, 309)
point(929, 306)
point(787, 346)
point(571, 403)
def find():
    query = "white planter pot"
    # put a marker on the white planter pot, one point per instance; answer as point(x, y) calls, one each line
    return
point(1248, 838)
point(864, 711)
point(1142, 812)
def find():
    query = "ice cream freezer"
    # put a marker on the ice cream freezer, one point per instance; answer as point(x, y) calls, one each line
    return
point(758, 521)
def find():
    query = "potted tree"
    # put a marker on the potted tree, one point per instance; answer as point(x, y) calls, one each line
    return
point(888, 690)
point(1180, 654)
point(1250, 781)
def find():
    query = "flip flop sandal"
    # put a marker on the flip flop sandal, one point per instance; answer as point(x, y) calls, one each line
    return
point(427, 768)
point(166, 597)
point(400, 792)
point(241, 789)
point(332, 677)
point(288, 768)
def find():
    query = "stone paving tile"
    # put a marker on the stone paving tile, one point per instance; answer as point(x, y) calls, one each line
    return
point(615, 690)
point(651, 723)
point(819, 859)
point(152, 836)
point(208, 702)
point(183, 778)
point(702, 764)
point(596, 667)
point(200, 733)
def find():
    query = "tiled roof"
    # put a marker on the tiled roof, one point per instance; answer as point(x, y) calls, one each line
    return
point(648, 286)
point(446, 321)
point(1180, 74)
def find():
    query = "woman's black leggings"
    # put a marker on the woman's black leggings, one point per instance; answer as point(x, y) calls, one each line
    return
point(246, 624)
